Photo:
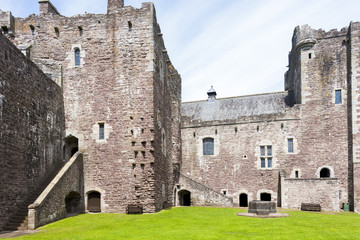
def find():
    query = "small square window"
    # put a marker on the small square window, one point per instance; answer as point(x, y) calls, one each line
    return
point(338, 97)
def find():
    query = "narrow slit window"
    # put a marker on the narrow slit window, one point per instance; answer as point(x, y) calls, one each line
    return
point(101, 131)
point(57, 32)
point(32, 28)
point(296, 174)
point(77, 57)
point(290, 145)
point(310, 56)
point(80, 30)
point(338, 97)
point(130, 26)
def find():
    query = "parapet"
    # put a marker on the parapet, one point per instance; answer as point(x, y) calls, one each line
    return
point(46, 7)
point(304, 37)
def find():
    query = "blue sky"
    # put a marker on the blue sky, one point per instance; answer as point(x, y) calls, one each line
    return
point(238, 46)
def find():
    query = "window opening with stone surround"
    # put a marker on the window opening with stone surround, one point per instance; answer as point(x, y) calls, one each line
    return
point(77, 57)
point(290, 145)
point(266, 156)
point(338, 99)
point(101, 131)
point(208, 146)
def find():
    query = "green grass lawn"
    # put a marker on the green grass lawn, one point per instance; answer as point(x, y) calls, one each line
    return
point(203, 223)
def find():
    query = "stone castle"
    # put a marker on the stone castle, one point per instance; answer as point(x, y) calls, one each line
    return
point(92, 121)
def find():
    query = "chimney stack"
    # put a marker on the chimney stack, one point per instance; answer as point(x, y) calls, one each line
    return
point(114, 5)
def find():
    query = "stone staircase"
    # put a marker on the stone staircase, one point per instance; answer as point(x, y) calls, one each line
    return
point(19, 221)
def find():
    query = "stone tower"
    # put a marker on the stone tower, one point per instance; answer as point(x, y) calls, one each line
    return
point(121, 96)
point(114, 5)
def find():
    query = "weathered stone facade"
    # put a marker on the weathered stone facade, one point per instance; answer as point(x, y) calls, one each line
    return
point(121, 95)
point(314, 117)
point(103, 84)
point(31, 128)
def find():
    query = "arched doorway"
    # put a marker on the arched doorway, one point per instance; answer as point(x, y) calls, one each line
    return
point(184, 198)
point(243, 200)
point(73, 203)
point(94, 202)
point(325, 173)
point(265, 197)
point(71, 146)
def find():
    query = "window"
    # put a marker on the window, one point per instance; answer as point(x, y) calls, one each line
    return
point(266, 156)
point(290, 145)
point(208, 146)
point(101, 131)
point(130, 26)
point(296, 174)
point(338, 97)
point(77, 57)
point(57, 32)
point(32, 28)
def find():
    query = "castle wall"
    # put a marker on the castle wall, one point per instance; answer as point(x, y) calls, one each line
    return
point(311, 190)
point(235, 167)
point(32, 126)
point(167, 101)
point(64, 195)
point(117, 84)
point(318, 128)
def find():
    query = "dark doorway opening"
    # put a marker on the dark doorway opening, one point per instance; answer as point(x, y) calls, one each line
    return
point(243, 200)
point(94, 202)
point(185, 198)
point(74, 150)
point(71, 146)
point(265, 197)
point(73, 203)
point(325, 173)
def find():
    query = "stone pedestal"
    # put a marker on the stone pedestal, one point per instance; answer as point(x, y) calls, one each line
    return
point(262, 207)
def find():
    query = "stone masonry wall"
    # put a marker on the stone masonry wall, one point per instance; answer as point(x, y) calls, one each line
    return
point(115, 85)
point(320, 191)
point(318, 127)
point(167, 101)
point(202, 195)
point(51, 205)
point(31, 127)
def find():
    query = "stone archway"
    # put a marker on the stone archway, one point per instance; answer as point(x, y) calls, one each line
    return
point(265, 197)
point(94, 202)
point(243, 200)
point(184, 198)
point(73, 203)
point(71, 146)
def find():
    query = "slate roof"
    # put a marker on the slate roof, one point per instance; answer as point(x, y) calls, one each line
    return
point(232, 108)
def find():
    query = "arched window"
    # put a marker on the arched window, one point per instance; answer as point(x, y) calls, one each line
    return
point(77, 57)
point(208, 146)
point(325, 173)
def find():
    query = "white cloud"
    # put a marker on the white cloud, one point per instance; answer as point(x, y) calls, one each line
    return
point(239, 46)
